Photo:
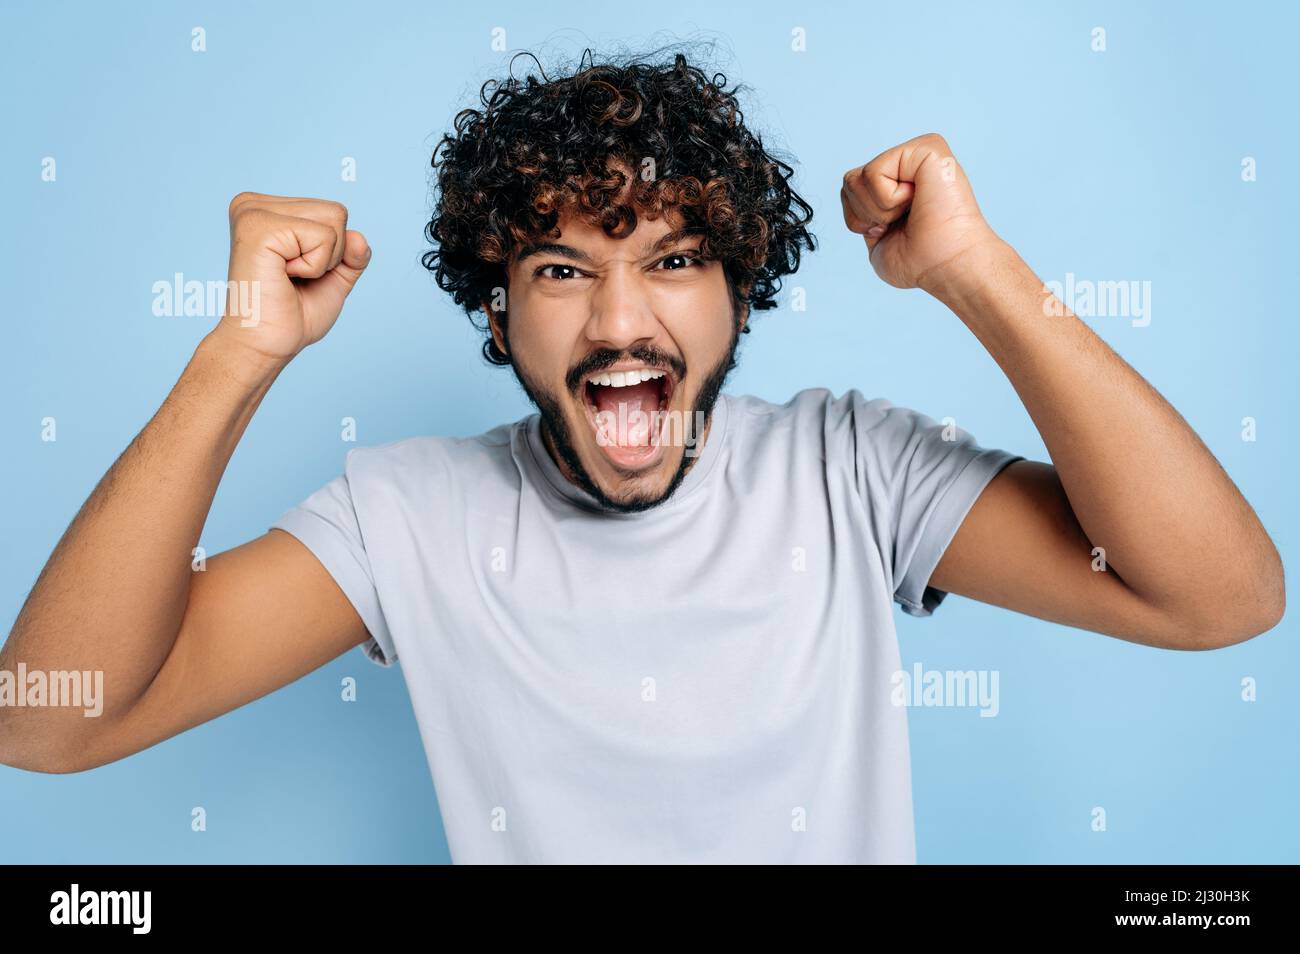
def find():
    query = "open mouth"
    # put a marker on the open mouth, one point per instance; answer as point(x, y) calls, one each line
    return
point(626, 410)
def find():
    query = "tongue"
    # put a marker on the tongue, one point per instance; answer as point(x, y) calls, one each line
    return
point(626, 427)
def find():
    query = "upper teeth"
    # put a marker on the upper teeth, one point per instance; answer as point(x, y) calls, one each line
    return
point(622, 379)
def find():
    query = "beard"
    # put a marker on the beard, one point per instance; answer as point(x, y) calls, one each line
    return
point(555, 428)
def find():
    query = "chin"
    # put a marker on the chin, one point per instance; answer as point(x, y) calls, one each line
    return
point(639, 486)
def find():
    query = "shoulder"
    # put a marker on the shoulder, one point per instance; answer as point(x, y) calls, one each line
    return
point(822, 409)
point(422, 463)
point(866, 438)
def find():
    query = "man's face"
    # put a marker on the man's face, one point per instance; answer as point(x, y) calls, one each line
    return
point(623, 345)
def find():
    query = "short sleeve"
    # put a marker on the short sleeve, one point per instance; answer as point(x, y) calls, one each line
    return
point(327, 524)
point(920, 478)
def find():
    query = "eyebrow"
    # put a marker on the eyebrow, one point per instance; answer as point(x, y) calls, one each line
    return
point(578, 255)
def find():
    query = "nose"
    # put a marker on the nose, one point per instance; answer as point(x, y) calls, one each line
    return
point(622, 312)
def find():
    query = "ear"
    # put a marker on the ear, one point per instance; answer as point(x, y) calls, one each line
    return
point(495, 326)
point(744, 311)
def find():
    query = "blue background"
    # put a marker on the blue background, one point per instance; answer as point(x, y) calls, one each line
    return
point(1122, 165)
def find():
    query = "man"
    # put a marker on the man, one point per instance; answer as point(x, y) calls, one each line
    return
point(653, 621)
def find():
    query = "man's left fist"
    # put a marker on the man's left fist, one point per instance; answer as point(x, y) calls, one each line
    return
point(916, 210)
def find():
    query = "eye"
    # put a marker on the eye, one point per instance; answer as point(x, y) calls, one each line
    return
point(540, 273)
point(690, 258)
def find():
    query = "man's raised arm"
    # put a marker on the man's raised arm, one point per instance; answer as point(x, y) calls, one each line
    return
point(118, 596)
point(1187, 564)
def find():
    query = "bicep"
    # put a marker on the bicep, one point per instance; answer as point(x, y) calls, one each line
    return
point(1021, 547)
point(259, 617)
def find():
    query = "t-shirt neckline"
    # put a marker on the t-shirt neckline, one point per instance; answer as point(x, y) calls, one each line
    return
point(695, 477)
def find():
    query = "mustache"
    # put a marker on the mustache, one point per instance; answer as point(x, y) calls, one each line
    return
point(607, 357)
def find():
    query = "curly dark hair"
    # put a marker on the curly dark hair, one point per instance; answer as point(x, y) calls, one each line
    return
point(539, 147)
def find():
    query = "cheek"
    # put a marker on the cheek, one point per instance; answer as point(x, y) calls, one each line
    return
point(702, 343)
point(542, 346)
point(706, 323)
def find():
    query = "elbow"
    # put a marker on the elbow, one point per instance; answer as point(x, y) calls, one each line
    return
point(44, 766)
point(1249, 609)
point(47, 762)
point(1268, 599)
point(43, 754)
point(43, 763)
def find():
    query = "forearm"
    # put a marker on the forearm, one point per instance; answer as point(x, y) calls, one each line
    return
point(113, 593)
point(1140, 482)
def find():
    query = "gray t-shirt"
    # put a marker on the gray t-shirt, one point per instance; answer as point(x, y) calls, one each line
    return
point(705, 681)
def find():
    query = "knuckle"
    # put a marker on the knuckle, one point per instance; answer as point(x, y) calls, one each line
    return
point(239, 202)
point(246, 221)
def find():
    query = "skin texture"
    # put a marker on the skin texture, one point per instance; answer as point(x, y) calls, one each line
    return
point(1188, 564)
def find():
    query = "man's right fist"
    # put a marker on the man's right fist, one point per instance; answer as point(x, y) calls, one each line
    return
point(292, 263)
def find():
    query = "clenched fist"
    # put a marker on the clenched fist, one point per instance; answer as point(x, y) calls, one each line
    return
point(292, 264)
point(916, 210)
